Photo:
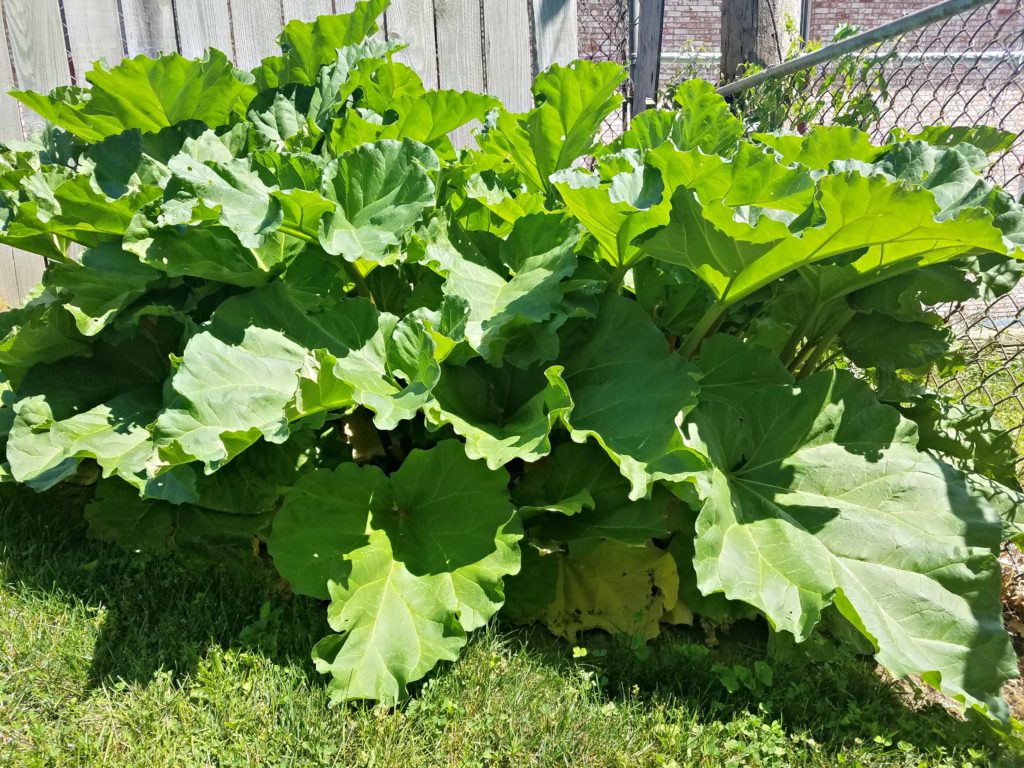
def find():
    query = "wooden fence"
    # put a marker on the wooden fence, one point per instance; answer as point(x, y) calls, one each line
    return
point(484, 45)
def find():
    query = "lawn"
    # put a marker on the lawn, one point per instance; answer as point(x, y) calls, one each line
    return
point(995, 376)
point(108, 659)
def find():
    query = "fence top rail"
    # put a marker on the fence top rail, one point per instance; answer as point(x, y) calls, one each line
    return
point(908, 23)
point(997, 56)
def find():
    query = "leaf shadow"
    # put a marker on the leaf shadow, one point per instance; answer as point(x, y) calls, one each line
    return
point(818, 691)
point(165, 617)
point(155, 616)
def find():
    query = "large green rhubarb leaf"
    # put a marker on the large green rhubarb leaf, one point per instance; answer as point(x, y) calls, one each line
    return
point(514, 287)
point(380, 191)
point(751, 179)
point(427, 118)
point(879, 226)
point(954, 177)
point(308, 46)
point(819, 496)
point(324, 517)
point(703, 121)
point(618, 212)
point(117, 514)
point(42, 451)
point(36, 334)
point(628, 392)
point(503, 413)
point(411, 563)
point(274, 356)
point(620, 589)
point(573, 102)
point(296, 117)
point(591, 501)
point(823, 145)
point(219, 220)
point(98, 287)
point(58, 206)
point(148, 94)
point(397, 626)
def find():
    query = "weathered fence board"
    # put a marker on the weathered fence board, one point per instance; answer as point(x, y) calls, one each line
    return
point(460, 55)
point(413, 22)
point(648, 55)
point(10, 126)
point(149, 27)
point(204, 24)
point(93, 33)
point(39, 60)
point(307, 10)
point(509, 61)
point(37, 50)
point(461, 44)
point(256, 26)
point(556, 32)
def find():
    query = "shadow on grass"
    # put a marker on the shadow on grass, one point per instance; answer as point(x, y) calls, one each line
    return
point(160, 614)
point(164, 615)
point(827, 692)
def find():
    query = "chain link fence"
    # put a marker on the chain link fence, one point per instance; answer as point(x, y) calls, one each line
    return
point(967, 70)
point(605, 34)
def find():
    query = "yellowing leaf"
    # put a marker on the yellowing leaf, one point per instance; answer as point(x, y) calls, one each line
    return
point(618, 588)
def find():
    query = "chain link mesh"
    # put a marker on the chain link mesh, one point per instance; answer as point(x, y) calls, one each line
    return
point(604, 36)
point(967, 70)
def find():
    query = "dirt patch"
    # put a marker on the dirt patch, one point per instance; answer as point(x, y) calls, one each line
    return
point(1012, 562)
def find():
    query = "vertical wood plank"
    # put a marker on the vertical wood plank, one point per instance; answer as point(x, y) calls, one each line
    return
point(647, 67)
point(509, 60)
point(344, 6)
point(256, 24)
point(40, 63)
point(204, 24)
point(10, 128)
point(94, 32)
point(10, 115)
point(413, 22)
point(460, 54)
point(556, 32)
point(10, 291)
point(149, 27)
point(37, 44)
point(30, 272)
point(307, 10)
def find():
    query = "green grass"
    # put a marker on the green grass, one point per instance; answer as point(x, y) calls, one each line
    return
point(109, 659)
point(990, 378)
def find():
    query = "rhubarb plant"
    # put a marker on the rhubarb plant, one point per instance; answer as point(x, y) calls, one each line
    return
point(679, 376)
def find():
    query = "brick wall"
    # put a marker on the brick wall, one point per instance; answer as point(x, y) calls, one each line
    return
point(694, 25)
